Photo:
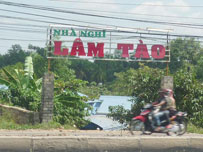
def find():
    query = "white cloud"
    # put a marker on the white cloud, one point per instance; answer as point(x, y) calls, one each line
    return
point(169, 11)
point(94, 6)
point(180, 3)
point(161, 10)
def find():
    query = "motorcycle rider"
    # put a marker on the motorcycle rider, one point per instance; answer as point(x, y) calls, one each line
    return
point(167, 105)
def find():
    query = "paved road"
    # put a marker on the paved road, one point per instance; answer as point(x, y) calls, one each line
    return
point(95, 141)
point(92, 133)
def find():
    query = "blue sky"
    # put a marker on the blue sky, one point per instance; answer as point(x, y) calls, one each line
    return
point(35, 33)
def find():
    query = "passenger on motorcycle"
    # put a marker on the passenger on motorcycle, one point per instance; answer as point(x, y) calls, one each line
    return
point(166, 104)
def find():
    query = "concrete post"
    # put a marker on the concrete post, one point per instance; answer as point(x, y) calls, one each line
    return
point(46, 113)
point(167, 82)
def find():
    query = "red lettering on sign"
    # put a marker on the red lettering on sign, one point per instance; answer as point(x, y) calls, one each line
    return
point(95, 50)
point(78, 47)
point(158, 51)
point(57, 49)
point(125, 48)
point(141, 51)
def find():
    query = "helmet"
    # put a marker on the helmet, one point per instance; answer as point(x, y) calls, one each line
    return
point(166, 92)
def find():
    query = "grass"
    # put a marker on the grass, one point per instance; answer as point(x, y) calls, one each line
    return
point(9, 124)
point(6, 122)
point(194, 129)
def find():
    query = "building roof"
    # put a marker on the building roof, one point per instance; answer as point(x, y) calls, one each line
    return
point(105, 123)
point(108, 101)
point(101, 106)
point(101, 109)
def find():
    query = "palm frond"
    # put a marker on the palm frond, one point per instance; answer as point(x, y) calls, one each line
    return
point(5, 82)
point(10, 77)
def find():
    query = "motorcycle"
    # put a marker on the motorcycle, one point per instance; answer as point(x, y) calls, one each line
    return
point(146, 123)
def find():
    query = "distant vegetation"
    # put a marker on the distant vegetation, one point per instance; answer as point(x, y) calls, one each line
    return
point(103, 77)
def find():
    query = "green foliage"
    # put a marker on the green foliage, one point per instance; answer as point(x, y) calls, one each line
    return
point(194, 129)
point(199, 69)
point(39, 65)
point(146, 83)
point(119, 113)
point(189, 95)
point(143, 84)
point(99, 71)
point(69, 107)
point(62, 71)
point(24, 90)
point(7, 123)
point(93, 91)
point(182, 51)
point(5, 97)
point(14, 55)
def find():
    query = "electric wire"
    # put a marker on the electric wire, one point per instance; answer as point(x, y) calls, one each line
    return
point(89, 26)
point(66, 19)
point(130, 4)
point(96, 15)
point(22, 30)
point(9, 39)
point(26, 25)
point(121, 31)
point(137, 14)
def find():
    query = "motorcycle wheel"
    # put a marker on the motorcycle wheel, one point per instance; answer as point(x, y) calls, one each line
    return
point(176, 126)
point(136, 126)
point(183, 127)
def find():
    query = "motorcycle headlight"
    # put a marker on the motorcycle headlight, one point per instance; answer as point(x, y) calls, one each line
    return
point(185, 114)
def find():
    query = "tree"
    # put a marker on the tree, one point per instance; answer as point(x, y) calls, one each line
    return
point(69, 107)
point(94, 90)
point(189, 95)
point(144, 83)
point(199, 69)
point(183, 51)
point(24, 90)
point(39, 50)
point(15, 54)
point(140, 83)
point(39, 65)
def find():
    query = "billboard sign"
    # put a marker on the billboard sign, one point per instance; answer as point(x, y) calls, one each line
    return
point(99, 44)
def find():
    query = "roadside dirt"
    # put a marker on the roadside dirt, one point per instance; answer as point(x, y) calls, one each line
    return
point(92, 133)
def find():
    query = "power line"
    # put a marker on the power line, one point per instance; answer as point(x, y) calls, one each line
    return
point(130, 4)
point(8, 39)
point(11, 27)
point(119, 12)
point(66, 19)
point(29, 25)
point(42, 21)
point(119, 31)
point(21, 30)
point(188, 25)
